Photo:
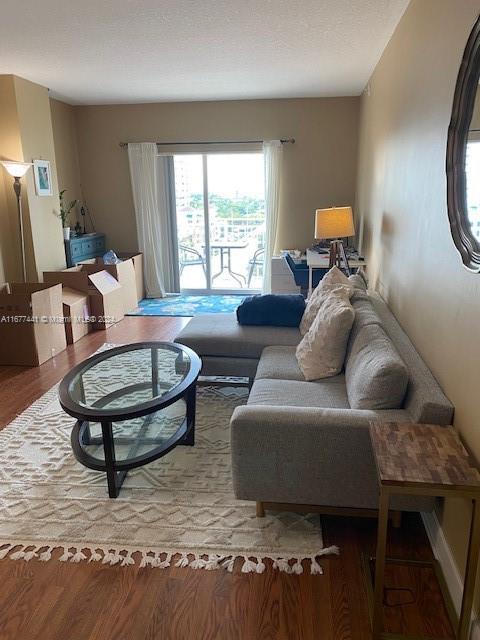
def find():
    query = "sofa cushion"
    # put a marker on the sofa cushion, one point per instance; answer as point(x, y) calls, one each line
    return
point(279, 363)
point(365, 314)
point(424, 400)
point(332, 279)
point(220, 334)
point(325, 394)
point(321, 353)
point(357, 281)
point(376, 376)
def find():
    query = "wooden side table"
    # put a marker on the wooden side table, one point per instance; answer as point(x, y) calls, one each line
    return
point(428, 460)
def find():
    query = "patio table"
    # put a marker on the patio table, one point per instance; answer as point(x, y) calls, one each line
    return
point(225, 252)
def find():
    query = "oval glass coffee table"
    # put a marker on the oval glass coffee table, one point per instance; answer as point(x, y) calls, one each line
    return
point(133, 404)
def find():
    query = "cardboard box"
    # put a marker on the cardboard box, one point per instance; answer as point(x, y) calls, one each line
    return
point(124, 272)
point(76, 312)
point(104, 292)
point(106, 300)
point(31, 323)
point(137, 259)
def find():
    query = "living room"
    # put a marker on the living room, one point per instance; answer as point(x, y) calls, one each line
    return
point(189, 475)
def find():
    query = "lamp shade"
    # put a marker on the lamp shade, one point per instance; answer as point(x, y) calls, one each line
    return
point(16, 169)
point(336, 222)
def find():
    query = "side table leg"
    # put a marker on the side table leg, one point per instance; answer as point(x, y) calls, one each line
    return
point(380, 563)
point(310, 281)
point(470, 574)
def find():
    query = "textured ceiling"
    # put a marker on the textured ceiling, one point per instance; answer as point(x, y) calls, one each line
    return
point(107, 51)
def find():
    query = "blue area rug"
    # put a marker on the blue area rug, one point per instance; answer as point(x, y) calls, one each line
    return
point(187, 305)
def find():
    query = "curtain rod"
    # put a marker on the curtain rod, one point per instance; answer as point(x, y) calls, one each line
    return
point(284, 141)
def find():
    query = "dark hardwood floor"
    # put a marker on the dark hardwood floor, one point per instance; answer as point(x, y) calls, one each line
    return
point(64, 601)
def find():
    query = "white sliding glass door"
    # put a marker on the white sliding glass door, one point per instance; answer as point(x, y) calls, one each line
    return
point(220, 221)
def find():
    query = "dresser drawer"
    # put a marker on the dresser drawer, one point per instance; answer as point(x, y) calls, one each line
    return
point(76, 249)
point(87, 246)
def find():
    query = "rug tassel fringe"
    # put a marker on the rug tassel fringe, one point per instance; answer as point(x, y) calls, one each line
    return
point(46, 555)
point(182, 561)
point(4, 552)
point(163, 560)
point(315, 568)
point(65, 557)
point(128, 560)
point(198, 562)
point(94, 556)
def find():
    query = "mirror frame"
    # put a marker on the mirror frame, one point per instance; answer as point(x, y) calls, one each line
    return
point(462, 111)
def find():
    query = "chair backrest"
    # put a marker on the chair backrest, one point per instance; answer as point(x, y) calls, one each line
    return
point(185, 251)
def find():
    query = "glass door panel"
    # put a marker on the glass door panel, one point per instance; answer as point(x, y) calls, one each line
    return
point(236, 214)
point(189, 190)
point(220, 205)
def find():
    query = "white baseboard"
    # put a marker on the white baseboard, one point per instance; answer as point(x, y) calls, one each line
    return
point(449, 567)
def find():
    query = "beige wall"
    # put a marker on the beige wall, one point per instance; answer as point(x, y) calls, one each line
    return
point(26, 134)
point(319, 169)
point(33, 107)
point(66, 153)
point(402, 198)
point(10, 149)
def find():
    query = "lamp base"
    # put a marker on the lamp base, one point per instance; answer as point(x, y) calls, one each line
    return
point(337, 255)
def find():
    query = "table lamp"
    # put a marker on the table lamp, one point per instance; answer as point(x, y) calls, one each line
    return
point(17, 170)
point(333, 224)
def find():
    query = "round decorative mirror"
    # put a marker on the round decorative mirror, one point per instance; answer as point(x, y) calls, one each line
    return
point(463, 156)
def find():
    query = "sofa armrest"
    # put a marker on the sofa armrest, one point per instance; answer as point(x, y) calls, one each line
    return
point(306, 455)
point(247, 416)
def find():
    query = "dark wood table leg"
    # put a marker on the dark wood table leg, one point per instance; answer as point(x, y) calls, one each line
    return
point(114, 478)
point(470, 574)
point(380, 563)
point(191, 399)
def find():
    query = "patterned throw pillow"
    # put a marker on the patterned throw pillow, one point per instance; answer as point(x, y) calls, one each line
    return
point(331, 280)
point(321, 352)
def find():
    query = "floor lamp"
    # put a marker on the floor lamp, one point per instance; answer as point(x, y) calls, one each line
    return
point(333, 224)
point(17, 170)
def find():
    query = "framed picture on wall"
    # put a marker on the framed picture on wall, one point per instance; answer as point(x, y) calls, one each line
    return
point(43, 177)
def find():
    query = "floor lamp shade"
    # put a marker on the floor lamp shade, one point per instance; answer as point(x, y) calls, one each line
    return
point(16, 169)
point(336, 222)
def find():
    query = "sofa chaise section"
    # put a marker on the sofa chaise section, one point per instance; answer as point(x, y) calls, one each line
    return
point(230, 349)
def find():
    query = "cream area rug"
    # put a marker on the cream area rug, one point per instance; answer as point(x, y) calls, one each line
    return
point(178, 510)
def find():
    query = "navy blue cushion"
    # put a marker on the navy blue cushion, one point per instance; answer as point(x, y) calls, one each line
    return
point(273, 310)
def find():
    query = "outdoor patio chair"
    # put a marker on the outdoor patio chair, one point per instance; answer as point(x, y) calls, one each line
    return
point(256, 261)
point(191, 257)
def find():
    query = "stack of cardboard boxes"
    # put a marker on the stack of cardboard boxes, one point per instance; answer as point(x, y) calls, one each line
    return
point(38, 320)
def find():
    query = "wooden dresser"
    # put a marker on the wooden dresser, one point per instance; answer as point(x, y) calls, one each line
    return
point(79, 248)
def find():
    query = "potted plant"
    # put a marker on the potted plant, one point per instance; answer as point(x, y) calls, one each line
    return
point(65, 214)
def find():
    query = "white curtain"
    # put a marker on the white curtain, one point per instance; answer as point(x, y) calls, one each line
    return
point(272, 155)
point(151, 178)
point(167, 209)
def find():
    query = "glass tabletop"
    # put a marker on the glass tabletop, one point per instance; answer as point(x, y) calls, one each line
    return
point(135, 437)
point(126, 378)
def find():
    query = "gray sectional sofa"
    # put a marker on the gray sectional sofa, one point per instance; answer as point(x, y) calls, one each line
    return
point(301, 443)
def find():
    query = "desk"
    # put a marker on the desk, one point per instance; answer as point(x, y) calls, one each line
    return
point(317, 260)
point(225, 251)
point(428, 460)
